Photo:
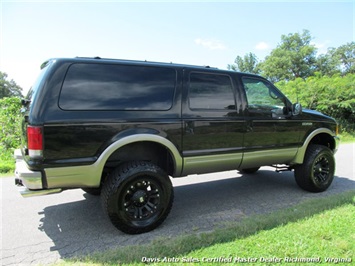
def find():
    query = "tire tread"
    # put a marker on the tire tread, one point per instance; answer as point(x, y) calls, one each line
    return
point(302, 171)
point(115, 179)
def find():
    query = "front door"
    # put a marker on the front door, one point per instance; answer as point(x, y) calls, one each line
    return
point(272, 136)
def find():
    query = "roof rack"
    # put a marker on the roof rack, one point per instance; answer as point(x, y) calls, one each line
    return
point(98, 57)
point(86, 57)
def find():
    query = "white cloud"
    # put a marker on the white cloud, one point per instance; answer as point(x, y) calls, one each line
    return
point(322, 47)
point(262, 46)
point(211, 44)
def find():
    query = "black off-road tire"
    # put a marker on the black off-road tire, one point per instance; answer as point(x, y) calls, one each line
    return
point(249, 170)
point(137, 197)
point(317, 171)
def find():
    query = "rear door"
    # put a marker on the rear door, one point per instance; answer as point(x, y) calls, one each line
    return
point(213, 125)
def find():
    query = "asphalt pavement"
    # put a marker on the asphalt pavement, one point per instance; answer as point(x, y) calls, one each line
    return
point(46, 229)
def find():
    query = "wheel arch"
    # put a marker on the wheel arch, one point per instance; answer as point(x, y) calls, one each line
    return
point(320, 136)
point(142, 147)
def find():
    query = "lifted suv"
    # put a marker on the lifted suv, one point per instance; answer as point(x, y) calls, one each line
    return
point(121, 128)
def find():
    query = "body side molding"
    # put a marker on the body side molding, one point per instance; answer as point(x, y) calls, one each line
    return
point(90, 175)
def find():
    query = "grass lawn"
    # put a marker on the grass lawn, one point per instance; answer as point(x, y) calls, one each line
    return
point(347, 137)
point(317, 230)
point(324, 237)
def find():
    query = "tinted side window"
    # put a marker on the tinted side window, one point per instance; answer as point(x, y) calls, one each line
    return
point(117, 87)
point(263, 99)
point(260, 92)
point(210, 91)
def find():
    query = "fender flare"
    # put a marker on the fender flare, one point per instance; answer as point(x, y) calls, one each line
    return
point(178, 162)
point(302, 150)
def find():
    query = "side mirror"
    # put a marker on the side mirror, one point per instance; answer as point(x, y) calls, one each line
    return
point(296, 109)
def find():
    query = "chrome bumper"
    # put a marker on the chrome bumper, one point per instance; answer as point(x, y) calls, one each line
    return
point(29, 182)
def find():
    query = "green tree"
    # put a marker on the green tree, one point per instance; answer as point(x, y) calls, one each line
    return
point(248, 64)
point(339, 60)
point(9, 131)
point(346, 56)
point(9, 122)
point(294, 58)
point(334, 96)
point(8, 88)
point(328, 64)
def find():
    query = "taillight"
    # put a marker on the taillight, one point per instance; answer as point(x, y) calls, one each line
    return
point(35, 141)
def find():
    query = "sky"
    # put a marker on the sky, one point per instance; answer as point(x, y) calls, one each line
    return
point(210, 33)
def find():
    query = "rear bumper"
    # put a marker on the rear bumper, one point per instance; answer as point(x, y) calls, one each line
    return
point(29, 182)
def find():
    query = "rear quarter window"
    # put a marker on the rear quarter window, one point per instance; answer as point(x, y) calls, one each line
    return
point(37, 84)
point(117, 87)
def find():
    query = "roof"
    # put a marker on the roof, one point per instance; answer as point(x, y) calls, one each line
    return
point(137, 62)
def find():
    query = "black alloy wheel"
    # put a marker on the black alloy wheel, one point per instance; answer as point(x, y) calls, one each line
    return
point(137, 197)
point(321, 170)
point(141, 199)
point(317, 171)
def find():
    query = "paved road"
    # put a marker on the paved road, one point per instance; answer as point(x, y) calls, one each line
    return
point(43, 230)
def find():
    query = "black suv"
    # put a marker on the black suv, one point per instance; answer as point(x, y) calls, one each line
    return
point(120, 128)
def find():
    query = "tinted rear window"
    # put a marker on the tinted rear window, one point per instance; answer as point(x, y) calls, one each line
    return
point(210, 92)
point(117, 87)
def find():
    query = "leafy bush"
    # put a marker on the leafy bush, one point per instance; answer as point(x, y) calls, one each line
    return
point(7, 166)
point(334, 96)
point(9, 132)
